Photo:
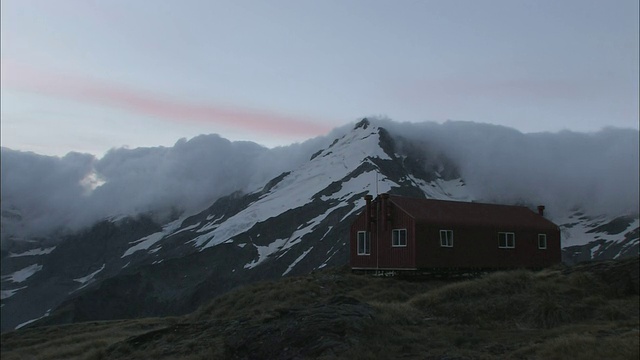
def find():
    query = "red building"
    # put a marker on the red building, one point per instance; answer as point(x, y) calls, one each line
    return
point(401, 233)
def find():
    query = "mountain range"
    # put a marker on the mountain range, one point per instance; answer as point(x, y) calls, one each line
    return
point(291, 218)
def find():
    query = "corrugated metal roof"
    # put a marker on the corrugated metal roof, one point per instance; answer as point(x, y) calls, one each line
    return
point(472, 214)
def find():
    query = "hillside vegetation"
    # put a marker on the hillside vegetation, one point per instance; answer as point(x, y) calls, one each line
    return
point(587, 311)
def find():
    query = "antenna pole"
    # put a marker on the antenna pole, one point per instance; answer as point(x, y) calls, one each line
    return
point(376, 183)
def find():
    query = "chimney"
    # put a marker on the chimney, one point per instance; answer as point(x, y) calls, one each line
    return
point(541, 210)
point(368, 199)
point(385, 211)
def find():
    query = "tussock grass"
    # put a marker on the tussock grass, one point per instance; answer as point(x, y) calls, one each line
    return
point(547, 312)
point(540, 300)
point(502, 284)
point(398, 313)
point(75, 341)
point(260, 300)
point(550, 314)
point(263, 299)
point(496, 297)
point(586, 347)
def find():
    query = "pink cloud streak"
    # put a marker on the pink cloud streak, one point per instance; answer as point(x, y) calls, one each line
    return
point(25, 78)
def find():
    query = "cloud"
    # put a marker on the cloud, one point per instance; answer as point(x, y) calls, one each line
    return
point(45, 190)
point(595, 171)
point(53, 193)
point(20, 76)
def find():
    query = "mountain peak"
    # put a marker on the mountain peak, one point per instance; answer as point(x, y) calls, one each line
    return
point(364, 123)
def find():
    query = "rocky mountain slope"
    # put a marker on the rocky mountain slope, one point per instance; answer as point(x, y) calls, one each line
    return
point(297, 222)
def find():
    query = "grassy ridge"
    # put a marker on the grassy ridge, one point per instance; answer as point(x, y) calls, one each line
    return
point(583, 312)
point(79, 341)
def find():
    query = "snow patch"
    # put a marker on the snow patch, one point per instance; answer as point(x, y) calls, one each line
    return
point(595, 250)
point(22, 274)
point(326, 233)
point(86, 280)
point(33, 320)
point(144, 243)
point(34, 252)
point(208, 227)
point(149, 240)
point(330, 256)
point(190, 227)
point(5, 294)
point(357, 206)
point(625, 247)
point(363, 182)
point(265, 251)
point(296, 261)
point(311, 225)
point(211, 216)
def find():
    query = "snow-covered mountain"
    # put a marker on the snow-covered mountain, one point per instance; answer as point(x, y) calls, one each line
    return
point(131, 266)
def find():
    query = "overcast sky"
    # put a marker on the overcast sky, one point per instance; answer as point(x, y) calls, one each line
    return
point(88, 76)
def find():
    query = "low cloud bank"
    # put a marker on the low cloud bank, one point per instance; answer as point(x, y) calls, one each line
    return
point(596, 171)
point(51, 193)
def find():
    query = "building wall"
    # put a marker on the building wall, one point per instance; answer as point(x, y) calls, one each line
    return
point(361, 261)
point(388, 257)
point(478, 248)
point(397, 257)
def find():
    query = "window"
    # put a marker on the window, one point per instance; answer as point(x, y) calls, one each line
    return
point(399, 237)
point(542, 241)
point(364, 243)
point(446, 238)
point(506, 240)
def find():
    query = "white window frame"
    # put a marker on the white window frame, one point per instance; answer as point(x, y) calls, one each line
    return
point(542, 237)
point(507, 245)
point(448, 238)
point(395, 237)
point(366, 242)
